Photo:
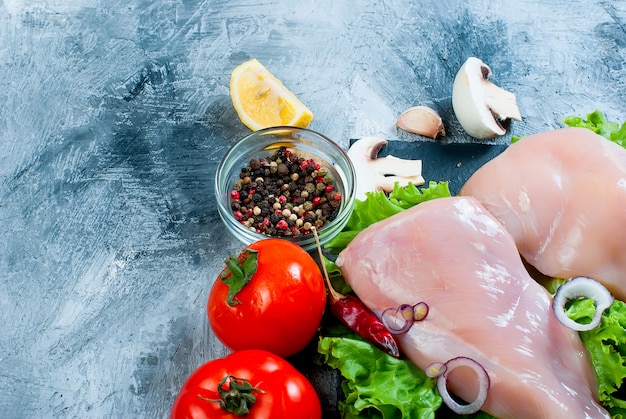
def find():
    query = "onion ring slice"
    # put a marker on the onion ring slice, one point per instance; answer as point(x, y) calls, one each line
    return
point(399, 320)
point(435, 369)
point(581, 286)
point(442, 383)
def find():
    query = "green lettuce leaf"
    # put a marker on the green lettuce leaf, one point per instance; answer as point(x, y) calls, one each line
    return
point(607, 347)
point(377, 385)
point(377, 206)
point(336, 278)
point(597, 122)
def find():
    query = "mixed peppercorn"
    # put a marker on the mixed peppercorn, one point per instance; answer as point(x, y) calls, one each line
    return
point(284, 195)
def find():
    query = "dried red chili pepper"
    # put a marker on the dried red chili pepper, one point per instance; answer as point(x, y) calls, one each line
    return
point(351, 311)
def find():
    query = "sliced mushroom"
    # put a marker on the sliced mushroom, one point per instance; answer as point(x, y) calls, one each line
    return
point(380, 174)
point(421, 120)
point(479, 105)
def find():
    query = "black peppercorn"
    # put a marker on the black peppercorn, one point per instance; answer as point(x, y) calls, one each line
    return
point(284, 195)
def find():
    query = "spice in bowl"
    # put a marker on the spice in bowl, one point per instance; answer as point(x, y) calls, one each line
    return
point(281, 182)
point(284, 195)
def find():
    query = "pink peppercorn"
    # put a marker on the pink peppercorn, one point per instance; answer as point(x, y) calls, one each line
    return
point(238, 215)
point(337, 197)
point(316, 200)
point(329, 188)
point(234, 194)
point(282, 225)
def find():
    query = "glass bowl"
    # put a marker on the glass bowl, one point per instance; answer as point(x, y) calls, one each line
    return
point(302, 143)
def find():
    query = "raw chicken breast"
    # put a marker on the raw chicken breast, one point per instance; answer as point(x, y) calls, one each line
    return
point(453, 255)
point(562, 196)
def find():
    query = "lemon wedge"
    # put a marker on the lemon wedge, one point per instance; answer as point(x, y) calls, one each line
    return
point(261, 100)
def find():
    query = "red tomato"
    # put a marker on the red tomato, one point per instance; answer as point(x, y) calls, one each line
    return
point(279, 309)
point(280, 390)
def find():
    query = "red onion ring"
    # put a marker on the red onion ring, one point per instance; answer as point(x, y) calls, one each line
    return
point(420, 311)
point(440, 372)
point(399, 320)
point(435, 369)
point(585, 287)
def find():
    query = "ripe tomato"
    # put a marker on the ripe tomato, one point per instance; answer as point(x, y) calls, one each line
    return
point(278, 389)
point(279, 309)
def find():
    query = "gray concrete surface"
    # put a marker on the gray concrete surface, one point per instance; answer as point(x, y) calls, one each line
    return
point(114, 115)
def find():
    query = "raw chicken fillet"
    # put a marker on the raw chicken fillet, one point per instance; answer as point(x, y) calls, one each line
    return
point(453, 254)
point(562, 196)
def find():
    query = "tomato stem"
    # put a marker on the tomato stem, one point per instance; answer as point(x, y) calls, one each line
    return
point(239, 271)
point(237, 398)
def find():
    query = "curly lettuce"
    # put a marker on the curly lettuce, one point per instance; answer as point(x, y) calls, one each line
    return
point(597, 122)
point(377, 206)
point(375, 384)
point(607, 347)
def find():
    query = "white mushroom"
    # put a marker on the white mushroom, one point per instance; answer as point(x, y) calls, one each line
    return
point(380, 174)
point(479, 105)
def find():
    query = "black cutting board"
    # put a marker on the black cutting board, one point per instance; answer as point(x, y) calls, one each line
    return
point(452, 162)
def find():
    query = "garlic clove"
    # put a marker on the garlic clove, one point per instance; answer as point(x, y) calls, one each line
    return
point(421, 120)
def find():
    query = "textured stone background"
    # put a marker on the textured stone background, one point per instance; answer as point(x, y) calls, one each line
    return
point(114, 115)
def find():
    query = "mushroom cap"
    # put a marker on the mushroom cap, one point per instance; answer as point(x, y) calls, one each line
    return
point(480, 105)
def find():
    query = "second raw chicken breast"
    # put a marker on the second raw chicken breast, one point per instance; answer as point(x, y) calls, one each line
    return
point(562, 196)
